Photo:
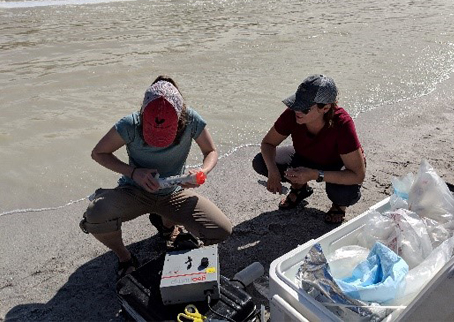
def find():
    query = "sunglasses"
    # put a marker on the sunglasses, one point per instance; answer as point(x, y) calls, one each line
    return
point(306, 110)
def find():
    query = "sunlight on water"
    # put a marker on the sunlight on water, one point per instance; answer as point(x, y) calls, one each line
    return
point(31, 4)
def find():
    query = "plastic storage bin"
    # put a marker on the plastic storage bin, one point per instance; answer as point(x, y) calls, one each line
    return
point(290, 303)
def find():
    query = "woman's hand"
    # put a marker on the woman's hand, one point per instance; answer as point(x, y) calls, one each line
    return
point(274, 182)
point(268, 148)
point(300, 175)
point(188, 185)
point(146, 179)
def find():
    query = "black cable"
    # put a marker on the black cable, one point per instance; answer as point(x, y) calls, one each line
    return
point(254, 314)
point(217, 313)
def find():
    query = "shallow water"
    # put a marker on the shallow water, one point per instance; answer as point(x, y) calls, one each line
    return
point(70, 69)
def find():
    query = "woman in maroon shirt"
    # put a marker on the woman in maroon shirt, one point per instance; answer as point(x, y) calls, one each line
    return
point(325, 148)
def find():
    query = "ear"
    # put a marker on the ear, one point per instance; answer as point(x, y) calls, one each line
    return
point(326, 108)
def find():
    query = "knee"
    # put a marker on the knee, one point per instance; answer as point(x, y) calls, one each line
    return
point(97, 211)
point(258, 164)
point(218, 235)
point(225, 232)
point(99, 218)
point(342, 195)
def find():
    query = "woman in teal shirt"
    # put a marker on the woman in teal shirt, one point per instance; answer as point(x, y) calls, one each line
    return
point(158, 140)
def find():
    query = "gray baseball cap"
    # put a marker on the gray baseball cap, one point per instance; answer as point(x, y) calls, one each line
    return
point(314, 89)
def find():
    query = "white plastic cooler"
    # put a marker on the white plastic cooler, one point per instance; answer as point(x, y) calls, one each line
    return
point(290, 303)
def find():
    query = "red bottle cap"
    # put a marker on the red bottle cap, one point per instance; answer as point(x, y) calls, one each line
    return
point(200, 177)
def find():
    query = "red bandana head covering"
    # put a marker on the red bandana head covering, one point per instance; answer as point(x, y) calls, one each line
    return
point(160, 111)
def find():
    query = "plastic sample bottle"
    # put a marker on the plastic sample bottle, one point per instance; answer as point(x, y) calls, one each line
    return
point(196, 178)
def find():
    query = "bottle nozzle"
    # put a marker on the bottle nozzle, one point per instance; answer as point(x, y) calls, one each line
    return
point(200, 177)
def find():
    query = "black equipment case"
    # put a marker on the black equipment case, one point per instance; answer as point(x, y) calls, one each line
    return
point(140, 298)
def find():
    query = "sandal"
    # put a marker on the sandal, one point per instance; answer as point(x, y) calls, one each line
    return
point(170, 234)
point(301, 193)
point(124, 267)
point(166, 233)
point(184, 241)
point(335, 215)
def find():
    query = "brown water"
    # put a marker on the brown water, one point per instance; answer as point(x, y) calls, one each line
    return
point(68, 72)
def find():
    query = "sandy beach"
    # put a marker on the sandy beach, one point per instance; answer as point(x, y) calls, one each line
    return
point(51, 271)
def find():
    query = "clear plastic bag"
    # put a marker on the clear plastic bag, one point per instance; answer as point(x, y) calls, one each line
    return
point(401, 190)
point(402, 231)
point(429, 195)
point(378, 278)
point(438, 233)
point(343, 260)
point(419, 276)
point(414, 244)
point(315, 278)
point(379, 228)
point(402, 185)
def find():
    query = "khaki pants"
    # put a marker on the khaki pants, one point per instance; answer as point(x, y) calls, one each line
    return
point(111, 207)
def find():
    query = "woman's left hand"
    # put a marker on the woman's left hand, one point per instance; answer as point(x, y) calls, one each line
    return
point(300, 175)
point(188, 185)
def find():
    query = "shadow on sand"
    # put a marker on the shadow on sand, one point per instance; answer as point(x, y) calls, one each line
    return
point(89, 293)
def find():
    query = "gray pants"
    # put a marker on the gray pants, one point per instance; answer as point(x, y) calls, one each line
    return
point(341, 195)
point(196, 213)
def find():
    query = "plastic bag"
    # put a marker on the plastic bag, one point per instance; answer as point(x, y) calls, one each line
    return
point(419, 276)
point(379, 228)
point(429, 195)
point(343, 260)
point(397, 202)
point(401, 187)
point(414, 244)
point(378, 278)
point(438, 233)
point(315, 278)
point(402, 231)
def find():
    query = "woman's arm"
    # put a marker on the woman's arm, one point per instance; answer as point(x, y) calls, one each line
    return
point(210, 154)
point(268, 148)
point(103, 153)
point(354, 172)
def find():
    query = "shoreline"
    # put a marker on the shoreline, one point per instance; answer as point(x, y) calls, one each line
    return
point(52, 271)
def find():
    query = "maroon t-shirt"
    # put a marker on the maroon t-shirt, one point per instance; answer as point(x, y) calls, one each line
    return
point(326, 147)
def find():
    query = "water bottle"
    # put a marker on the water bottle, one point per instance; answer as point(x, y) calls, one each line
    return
point(196, 178)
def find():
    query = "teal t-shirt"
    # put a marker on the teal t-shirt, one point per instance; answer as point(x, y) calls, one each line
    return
point(169, 161)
